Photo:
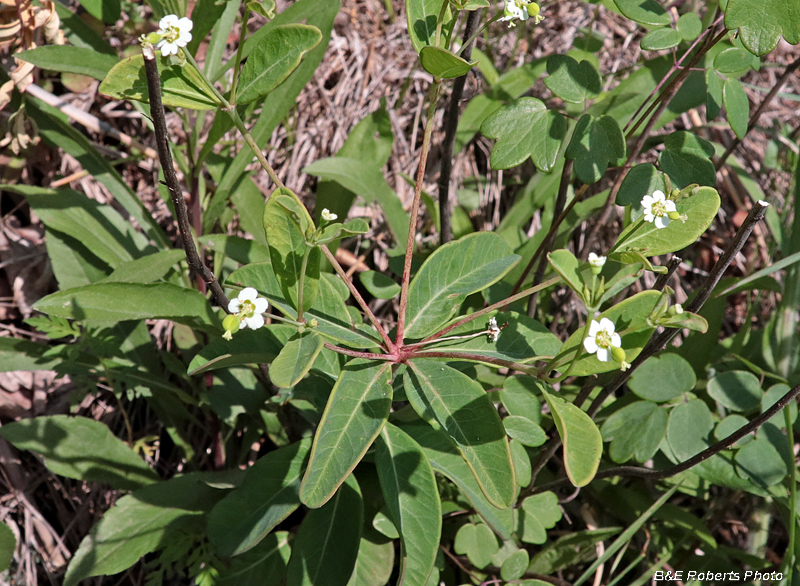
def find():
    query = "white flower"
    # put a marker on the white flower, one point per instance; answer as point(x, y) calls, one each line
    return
point(328, 215)
point(596, 261)
point(601, 339)
point(657, 209)
point(248, 307)
point(522, 10)
point(493, 331)
point(175, 32)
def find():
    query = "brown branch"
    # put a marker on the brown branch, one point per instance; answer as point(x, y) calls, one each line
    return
point(663, 278)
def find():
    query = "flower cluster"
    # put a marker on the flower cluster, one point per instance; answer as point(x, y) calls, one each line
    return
point(521, 10)
point(173, 33)
point(246, 312)
point(604, 341)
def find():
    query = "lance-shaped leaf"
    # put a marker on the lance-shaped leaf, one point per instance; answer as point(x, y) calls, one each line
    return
point(295, 359)
point(583, 444)
point(525, 128)
point(275, 56)
point(80, 448)
point(182, 86)
point(286, 222)
point(410, 491)
point(356, 411)
point(422, 16)
point(268, 494)
point(451, 401)
point(596, 143)
point(762, 23)
point(454, 271)
point(572, 81)
point(326, 546)
point(443, 64)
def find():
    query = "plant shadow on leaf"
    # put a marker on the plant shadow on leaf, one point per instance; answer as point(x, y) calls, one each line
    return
point(422, 28)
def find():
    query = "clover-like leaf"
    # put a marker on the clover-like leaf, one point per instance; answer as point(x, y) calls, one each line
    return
point(596, 143)
point(525, 128)
point(762, 23)
point(572, 81)
point(687, 159)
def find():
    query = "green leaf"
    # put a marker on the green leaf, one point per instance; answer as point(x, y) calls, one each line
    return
point(452, 272)
point(583, 444)
point(687, 159)
point(8, 543)
point(515, 565)
point(525, 128)
point(733, 62)
point(567, 265)
point(247, 347)
point(737, 106)
point(519, 398)
point(661, 39)
point(524, 430)
point(596, 143)
point(147, 269)
point(761, 463)
point(268, 494)
point(379, 285)
point(540, 512)
point(68, 59)
point(572, 81)
point(690, 26)
point(663, 378)
point(648, 12)
point(636, 430)
point(522, 463)
point(276, 55)
point(451, 401)
point(140, 523)
point(103, 302)
point(477, 542)
point(295, 359)
point(374, 564)
point(80, 448)
point(366, 180)
point(737, 390)
point(761, 24)
point(326, 546)
point(107, 11)
point(181, 85)
point(285, 223)
point(714, 95)
point(574, 548)
point(689, 429)
point(264, 565)
point(641, 180)
point(357, 410)
point(412, 497)
point(422, 16)
point(700, 207)
point(443, 64)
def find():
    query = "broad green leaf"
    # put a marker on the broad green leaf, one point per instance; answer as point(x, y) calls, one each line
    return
point(247, 347)
point(737, 106)
point(326, 547)
point(357, 410)
point(632, 313)
point(295, 359)
point(737, 390)
point(68, 59)
point(566, 265)
point(660, 39)
point(522, 463)
point(733, 62)
point(412, 497)
point(762, 23)
point(714, 94)
point(19, 354)
point(365, 180)
point(422, 16)
point(273, 58)
point(636, 430)
point(583, 444)
point(477, 542)
point(572, 81)
point(451, 401)
point(690, 26)
point(140, 523)
point(700, 207)
point(374, 564)
point(446, 460)
point(773, 394)
point(641, 180)
point(731, 424)
point(147, 269)
point(285, 223)
point(687, 159)
point(107, 11)
point(524, 430)
point(379, 285)
point(181, 85)
point(663, 378)
point(443, 64)
point(539, 513)
point(268, 494)
point(452, 272)
point(689, 429)
point(761, 463)
point(80, 448)
point(521, 340)
point(104, 302)
point(525, 128)
point(8, 543)
point(264, 565)
point(515, 565)
point(596, 143)
point(519, 397)
point(648, 12)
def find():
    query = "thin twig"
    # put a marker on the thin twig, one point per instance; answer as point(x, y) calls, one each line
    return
point(663, 278)
point(171, 179)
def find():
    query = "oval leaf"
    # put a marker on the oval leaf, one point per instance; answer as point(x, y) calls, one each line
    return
point(687, 159)
point(737, 106)
point(295, 359)
point(595, 143)
point(660, 39)
point(648, 12)
point(443, 64)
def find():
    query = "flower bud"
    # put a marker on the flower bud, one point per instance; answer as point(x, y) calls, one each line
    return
point(231, 324)
point(674, 215)
point(618, 354)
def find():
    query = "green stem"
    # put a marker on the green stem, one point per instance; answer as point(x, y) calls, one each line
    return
point(440, 22)
point(789, 562)
point(470, 40)
point(574, 360)
point(624, 237)
point(239, 51)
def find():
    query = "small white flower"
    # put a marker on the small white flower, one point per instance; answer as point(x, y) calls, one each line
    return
point(328, 215)
point(601, 339)
point(678, 308)
point(596, 261)
point(493, 331)
point(175, 33)
point(657, 209)
point(248, 307)
point(521, 10)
